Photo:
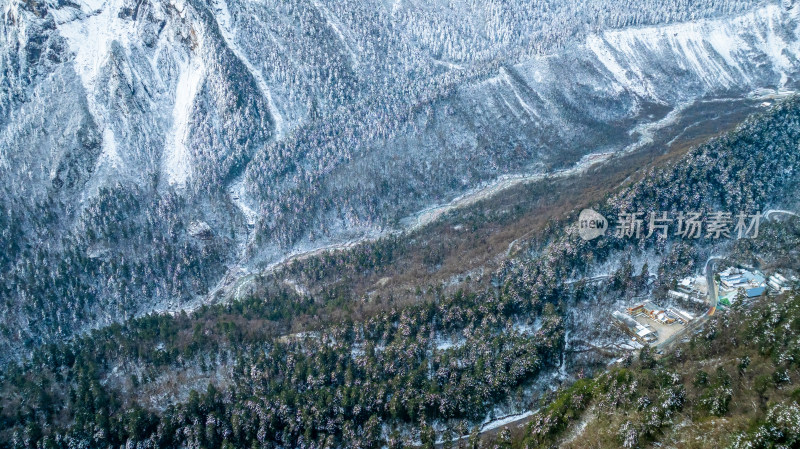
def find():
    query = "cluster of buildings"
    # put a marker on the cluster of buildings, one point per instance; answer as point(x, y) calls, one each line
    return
point(690, 289)
point(649, 323)
point(777, 283)
point(641, 332)
point(732, 281)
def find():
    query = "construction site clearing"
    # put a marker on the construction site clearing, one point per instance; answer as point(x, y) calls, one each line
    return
point(652, 325)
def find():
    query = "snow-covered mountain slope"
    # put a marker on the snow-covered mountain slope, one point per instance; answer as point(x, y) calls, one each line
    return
point(608, 92)
point(622, 76)
point(149, 147)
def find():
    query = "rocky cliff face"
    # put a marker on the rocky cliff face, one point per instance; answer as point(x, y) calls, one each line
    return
point(126, 125)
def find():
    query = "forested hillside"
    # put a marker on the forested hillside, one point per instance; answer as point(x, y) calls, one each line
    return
point(734, 385)
point(231, 376)
point(154, 153)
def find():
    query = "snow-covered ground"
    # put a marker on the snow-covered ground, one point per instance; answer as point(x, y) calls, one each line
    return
point(89, 34)
point(225, 22)
point(177, 159)
point(238, 194)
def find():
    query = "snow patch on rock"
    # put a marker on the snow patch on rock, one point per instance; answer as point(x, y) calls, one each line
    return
point(177, 165)
point(110, 155)
point(89, 37)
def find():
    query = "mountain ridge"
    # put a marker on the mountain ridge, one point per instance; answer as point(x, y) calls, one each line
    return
point(172, 109)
